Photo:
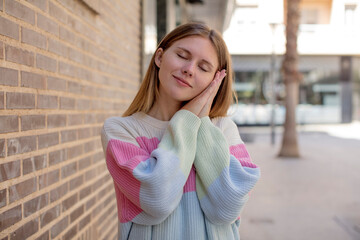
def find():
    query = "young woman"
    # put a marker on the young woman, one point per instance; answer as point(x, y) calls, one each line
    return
point(180, 168)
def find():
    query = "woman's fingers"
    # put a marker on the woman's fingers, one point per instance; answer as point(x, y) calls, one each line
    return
point(201, 104)
point(212, 91)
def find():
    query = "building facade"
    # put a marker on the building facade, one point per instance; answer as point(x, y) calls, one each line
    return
point(65, 66)
point(329, 57)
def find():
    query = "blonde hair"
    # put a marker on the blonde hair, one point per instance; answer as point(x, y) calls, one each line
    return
point(149, 89)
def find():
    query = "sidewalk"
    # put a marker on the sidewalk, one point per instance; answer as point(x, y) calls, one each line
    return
point(316, 197)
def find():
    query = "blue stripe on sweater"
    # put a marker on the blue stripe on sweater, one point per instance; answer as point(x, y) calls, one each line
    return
point(228, 193)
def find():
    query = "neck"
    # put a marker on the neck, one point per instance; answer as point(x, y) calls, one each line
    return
point(164, 110)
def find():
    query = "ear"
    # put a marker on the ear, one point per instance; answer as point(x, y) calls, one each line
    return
point(158, 56)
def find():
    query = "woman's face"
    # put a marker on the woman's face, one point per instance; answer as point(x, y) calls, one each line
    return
point(186, 68)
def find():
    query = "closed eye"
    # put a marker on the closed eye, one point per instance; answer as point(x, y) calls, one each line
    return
point(203, 69)
point(181, 56)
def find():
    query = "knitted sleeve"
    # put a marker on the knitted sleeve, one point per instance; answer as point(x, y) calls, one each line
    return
point(149, 175)
point(224, 172)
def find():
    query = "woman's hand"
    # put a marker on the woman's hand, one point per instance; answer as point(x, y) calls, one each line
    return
point(201, 104)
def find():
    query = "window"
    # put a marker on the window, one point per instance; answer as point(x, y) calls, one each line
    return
point(349, 14)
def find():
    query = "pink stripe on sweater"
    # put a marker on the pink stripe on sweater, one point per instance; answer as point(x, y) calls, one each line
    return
point(122, 158)
point(240, 153)
point(190, 185)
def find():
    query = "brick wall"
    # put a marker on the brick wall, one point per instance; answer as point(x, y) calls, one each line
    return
point(65, 66)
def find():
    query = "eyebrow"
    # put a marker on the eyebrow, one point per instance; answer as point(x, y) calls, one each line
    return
point(188, 52)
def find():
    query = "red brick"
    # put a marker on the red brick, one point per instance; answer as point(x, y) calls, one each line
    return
point(9, 170)
point(85, 221)
point(33, 38)
point(85, 162)
point(83, 104)
point(8, 77)
point(68, 69)
point(70, 234)
point(20, 100)
point(47, 24)
point(32, 122)
point(90, 118)
point(46, 63)
point(98, 157)
point(9, 28)
point(9, 123)
point(74, 151)
point(22, 189)
point(20, 11)
point(47, 102)
point(59, 227)
point(76, 182)
point(20, 56)
point(104, 215)
point(10, 217)
point(85, 192)
point(48, 140)
point(57, 156)
point(2, 101)
point(33, 80)
point(57, 12)
point(74, 87)
point(34, 163)
point(75, 119)
point(98, 184)
point(90, 203)
point(89, 91)
point(21, 145)
point(67, 103)
point(2, 147)
point(100, 118)
point(44, 236)
point(69, 202)
point(96, 131)
point(48, 179)
point(26, 230)
point(58, 192)
point(76, 213)
point(57, 84)
point(49, 215)
point(79, 27)
point(58, 47)
point(68, 135)
point(67, 35)
point(68, 170)
point(97, 210)
point(1, 50)
point(36, 204)
point(38, 3)
point(89, 146)
point(78, 57)
point(56, 120)
point(3, 198)
point(85, 133)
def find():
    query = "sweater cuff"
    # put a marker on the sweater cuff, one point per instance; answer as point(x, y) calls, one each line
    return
point(181, 137)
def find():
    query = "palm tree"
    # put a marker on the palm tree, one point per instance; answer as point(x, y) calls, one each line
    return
point(291, 78)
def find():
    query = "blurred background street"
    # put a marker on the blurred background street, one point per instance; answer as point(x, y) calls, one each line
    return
point(314, 197)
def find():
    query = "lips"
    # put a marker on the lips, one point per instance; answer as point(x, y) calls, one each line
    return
point(182, 82)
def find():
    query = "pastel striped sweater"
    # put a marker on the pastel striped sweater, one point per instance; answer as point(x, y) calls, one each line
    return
point(187, 178)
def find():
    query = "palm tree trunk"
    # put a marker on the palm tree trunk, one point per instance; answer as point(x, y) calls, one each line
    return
point(291, 77)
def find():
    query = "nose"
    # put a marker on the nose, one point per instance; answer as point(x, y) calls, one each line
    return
point(188, 69)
